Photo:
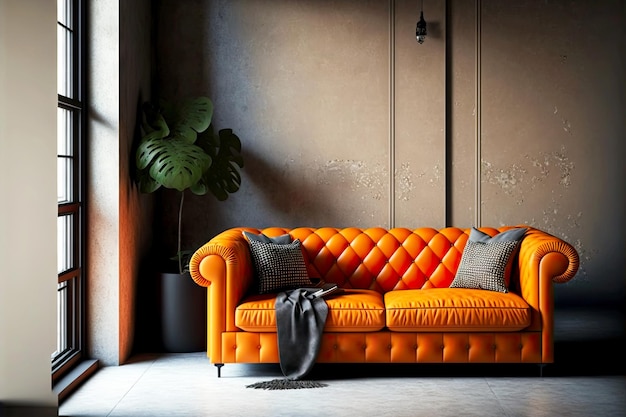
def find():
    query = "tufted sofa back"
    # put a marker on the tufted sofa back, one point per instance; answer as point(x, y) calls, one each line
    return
point(383, 259)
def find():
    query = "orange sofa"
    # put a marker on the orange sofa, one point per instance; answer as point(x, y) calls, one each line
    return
point(397, 306)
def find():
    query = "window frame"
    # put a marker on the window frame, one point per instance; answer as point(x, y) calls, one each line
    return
point(74, 277)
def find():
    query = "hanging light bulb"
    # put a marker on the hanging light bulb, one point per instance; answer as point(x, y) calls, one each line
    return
point(420, 29)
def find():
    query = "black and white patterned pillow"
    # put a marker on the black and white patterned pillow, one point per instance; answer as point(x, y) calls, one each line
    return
point(483, 265)
point(279, 267)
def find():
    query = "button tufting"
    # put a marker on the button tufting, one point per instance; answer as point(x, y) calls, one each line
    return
point(415, 347)
point(467, 347)
point(258, 347)
point(389, 347)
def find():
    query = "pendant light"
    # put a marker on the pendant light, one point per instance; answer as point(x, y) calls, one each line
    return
point(420, 29)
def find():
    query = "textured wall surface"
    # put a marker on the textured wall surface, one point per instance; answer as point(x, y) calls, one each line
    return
point(103, 254)
point(135, 208)
point(119, 217)
point(553, 130)
point(346, 121)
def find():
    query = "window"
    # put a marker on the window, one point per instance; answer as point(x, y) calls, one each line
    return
point(70, 172)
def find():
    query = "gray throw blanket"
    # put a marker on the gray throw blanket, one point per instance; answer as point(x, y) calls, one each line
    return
point(300, 319)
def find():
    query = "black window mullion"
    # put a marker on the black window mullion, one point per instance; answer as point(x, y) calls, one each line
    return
point(81, 90)
point(76, 62)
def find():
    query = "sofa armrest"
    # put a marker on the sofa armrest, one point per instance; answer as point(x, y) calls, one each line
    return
point(543, 261)
point(230, 246)
point(224, 266)
point(543, 256)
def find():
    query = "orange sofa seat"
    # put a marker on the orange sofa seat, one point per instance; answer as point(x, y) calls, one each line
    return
point(352, 311)
point(451, 310)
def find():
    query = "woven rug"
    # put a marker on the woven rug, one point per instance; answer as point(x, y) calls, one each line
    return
point(285, 383)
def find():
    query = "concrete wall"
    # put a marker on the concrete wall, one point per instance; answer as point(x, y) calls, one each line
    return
point(347, 121)
point(118, 216)
point(28, 213)
point(553, 131)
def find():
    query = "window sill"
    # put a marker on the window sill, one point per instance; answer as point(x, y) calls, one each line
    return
point(81, 372)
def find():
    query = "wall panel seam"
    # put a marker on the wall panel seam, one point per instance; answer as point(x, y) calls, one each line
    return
point(478, 133)
point(446, 120)
point(392, 113)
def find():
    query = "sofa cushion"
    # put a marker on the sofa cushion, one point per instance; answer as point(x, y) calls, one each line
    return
point(279, 267)
point(455, 310)
point(350, 311)
point(487, 261)
point(483, 265)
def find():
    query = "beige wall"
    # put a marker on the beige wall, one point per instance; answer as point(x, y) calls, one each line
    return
point(28, 213)
point(118, 216)
point(553, 131)
point(347, 121)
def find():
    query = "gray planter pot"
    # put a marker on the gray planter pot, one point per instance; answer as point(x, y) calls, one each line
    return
point(183, 313)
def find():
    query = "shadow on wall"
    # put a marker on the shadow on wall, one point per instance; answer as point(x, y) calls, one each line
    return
point(271, 194)
point(147, 333)
point(180, 71)
point(294, 199)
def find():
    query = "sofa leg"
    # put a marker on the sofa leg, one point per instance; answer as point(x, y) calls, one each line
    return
point(541, 366)
point(219, 369)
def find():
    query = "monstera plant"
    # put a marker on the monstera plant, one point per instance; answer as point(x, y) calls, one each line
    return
point(179, 150)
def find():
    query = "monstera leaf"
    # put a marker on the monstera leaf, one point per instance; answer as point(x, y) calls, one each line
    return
point(223, 177)
point(189, 118)
point(178, 150)
point(173, 163)
point(167, 151)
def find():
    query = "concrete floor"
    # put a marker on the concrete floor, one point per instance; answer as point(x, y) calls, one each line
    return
point(585, 380)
